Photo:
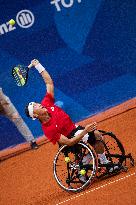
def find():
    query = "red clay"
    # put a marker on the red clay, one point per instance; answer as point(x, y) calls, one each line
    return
point(27, 179)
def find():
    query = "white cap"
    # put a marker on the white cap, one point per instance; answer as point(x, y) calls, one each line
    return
point(31, 110)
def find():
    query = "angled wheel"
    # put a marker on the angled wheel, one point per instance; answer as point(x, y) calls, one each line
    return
point(68, 167)
point(114, 149)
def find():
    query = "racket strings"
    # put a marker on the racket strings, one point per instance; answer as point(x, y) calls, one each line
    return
point(20, 75)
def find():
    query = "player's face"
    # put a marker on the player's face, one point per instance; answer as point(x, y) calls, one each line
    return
point(39, 109)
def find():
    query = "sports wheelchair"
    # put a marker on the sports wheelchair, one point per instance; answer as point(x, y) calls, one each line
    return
point(68, 166)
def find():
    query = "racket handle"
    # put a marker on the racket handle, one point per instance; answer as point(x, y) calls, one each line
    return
point(30, 66)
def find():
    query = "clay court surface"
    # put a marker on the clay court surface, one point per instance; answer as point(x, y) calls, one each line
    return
point(27, 178)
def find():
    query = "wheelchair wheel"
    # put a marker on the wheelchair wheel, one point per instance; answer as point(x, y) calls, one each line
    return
point(69, 169)
point(114, 149)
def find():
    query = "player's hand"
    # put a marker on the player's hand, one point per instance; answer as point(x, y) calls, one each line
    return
point(91, 127)
point(34, 62)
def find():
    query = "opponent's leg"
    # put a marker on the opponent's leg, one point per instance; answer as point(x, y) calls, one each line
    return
point(8, 110)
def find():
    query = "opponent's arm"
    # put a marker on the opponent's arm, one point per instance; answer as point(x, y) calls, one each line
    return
point(70, 142)
point(45, 75)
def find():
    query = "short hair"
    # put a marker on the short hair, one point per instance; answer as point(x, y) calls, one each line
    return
point(27, 111)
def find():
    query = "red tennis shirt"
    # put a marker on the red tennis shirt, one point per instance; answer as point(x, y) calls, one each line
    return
point(59, 123)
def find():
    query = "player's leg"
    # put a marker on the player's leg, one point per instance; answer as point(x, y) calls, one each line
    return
point(99, 147)
point(98, 144)
point(94, 140)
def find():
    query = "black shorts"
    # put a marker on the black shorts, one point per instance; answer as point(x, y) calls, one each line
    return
point(91, 138)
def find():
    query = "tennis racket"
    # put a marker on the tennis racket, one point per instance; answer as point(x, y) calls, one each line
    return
point(20, 74)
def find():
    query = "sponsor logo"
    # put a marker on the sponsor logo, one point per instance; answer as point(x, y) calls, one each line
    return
point(64, 3)
point(24, 19)
point(6, 27)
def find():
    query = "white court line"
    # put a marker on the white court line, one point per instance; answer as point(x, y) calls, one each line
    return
point(77, 196)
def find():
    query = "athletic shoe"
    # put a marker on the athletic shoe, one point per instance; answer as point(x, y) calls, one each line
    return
point(113, 169)
point(103, 159)
point(83, 179)
point(86, 159)
point(110, 170)
point(34, 145)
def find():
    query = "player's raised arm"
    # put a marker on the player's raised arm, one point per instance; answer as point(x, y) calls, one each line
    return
point(46, 76)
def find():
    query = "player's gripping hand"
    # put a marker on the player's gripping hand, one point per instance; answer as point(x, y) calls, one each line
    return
point(91, 127)
point(34, 62)
point(37, 65)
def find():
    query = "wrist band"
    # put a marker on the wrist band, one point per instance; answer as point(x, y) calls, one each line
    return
point(39, 67)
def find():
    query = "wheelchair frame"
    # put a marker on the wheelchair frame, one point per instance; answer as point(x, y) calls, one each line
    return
point(71, 159)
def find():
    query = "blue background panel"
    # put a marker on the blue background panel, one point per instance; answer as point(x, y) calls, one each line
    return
point(89, 49)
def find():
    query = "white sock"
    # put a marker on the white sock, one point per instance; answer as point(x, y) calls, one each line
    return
point(103, 158)
point(86, 159)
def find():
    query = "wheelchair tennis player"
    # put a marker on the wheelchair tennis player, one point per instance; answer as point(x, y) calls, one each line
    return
point(57, 125)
